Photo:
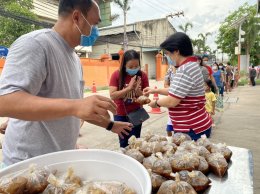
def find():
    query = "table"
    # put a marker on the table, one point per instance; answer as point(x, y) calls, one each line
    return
point(239, 178)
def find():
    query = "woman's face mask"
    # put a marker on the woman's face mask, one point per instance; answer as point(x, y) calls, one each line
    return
point(132, 72)
point(170, 61)
point(132, 67)
point(91, 38)
point(215, 68)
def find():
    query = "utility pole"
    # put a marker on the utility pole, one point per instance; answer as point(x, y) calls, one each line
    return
point(171, 15)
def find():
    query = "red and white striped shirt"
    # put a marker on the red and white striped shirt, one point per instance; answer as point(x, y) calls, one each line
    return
point(188, 85)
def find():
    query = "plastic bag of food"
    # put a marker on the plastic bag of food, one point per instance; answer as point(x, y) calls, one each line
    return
point(204, 141)
point(158, 165)
point(156, 179)
point(168, 148)
point(176, 187)
point(32, 180)
point(223, 149)
point(143, 100)
point(106, 187)
point(178, 138)
point(58, 186)
point(217, 164)
point(135, 143)
point(15, 185)
point(186, 161)
point(37, 179)
point(136, 154)
point(149, 148)
point(196, 179)
point(158, 138)
point(203, 166)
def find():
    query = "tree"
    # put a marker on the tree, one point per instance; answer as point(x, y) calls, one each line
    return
point(11, 29)
point(203, 39)
point(186, 27)
point(228, 35)
point(124, 5)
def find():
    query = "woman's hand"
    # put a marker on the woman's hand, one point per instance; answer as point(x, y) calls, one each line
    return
point(132, 83)
point(148, 91)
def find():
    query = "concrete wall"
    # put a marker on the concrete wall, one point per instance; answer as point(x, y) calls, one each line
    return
point(149, 58)
point(154, 32)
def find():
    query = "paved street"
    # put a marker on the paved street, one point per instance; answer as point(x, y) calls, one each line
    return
point(238, 125)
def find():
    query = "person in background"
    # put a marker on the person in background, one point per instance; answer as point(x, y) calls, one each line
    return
point(126, 85)
point(223, 73)
point(204, 70)
point(205, 61)
point(219, 78)
point(210, 100)
point(237, 77)
point(252, 75)
point(167, 82)
point(228, 77)
point(186, 94)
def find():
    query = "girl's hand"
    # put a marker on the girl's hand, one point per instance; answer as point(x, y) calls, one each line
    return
point(138, 84)
point(132, 83)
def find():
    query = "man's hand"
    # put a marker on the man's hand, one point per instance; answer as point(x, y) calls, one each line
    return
point(94, 108)
point(122, 128)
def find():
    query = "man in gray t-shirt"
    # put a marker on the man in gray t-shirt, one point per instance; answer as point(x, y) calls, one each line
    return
point(41, 87)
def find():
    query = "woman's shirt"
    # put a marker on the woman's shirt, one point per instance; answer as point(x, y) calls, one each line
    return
point(127, 104)
point(217, 77)
point(188, 85)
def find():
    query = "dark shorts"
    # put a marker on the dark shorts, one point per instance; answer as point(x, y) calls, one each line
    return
point(195, 136)
point(136, 131)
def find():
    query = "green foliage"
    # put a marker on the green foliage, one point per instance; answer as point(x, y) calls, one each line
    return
point(11, 29)
point(228, 35)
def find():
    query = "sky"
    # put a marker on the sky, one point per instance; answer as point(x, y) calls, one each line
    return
point(205, 15)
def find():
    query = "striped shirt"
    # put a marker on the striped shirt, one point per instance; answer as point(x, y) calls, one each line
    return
point(188, 85)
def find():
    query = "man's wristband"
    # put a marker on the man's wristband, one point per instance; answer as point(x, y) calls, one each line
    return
point(110, 125)
point(156, 104)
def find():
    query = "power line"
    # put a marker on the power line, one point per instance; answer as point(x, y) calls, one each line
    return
point(24, 19)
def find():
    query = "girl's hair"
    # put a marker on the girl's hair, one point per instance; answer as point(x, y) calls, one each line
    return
point(178, 41)
point(210, 85)
point(128, 56)
point(200, 59)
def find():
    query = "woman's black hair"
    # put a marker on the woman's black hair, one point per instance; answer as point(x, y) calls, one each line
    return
point(67, 6)
point(210, 85)
point(178, 41)
point(201, 62)
point(128, 55)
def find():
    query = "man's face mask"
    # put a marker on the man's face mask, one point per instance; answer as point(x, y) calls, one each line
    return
point(91, 38)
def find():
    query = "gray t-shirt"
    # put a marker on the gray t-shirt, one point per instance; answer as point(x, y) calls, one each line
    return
point(43, 64)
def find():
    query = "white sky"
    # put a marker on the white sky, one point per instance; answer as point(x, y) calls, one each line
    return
point(205, 15)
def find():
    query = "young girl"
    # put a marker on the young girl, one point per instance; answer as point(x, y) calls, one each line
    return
point(210, 99)
point(126, 85)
